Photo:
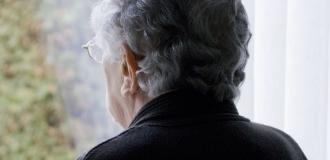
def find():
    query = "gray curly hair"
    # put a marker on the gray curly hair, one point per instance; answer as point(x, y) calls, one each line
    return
point(199, 44)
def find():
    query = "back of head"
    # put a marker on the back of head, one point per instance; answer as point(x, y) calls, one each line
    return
point(199, 44)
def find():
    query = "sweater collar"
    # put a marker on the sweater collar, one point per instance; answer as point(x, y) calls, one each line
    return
point(180, 106)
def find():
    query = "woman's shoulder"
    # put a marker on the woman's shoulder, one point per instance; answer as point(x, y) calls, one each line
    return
point(115, 147)
point(277, 138)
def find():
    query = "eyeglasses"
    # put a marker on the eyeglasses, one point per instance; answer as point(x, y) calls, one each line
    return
point(94, 51)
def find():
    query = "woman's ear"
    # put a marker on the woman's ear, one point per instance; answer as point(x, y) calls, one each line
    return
point(129, 67)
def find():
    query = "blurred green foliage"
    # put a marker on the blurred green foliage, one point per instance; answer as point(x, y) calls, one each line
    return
point(31, 118)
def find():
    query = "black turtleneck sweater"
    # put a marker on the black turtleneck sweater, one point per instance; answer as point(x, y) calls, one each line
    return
point(183, 124)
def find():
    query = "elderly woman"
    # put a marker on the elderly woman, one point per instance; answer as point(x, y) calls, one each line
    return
point(173, 70)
